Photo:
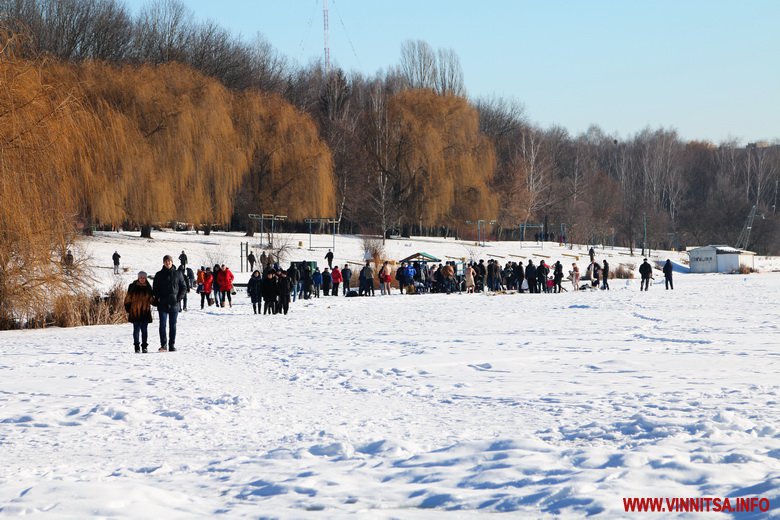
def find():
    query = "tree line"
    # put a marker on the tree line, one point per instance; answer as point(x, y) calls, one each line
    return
point(223, 127)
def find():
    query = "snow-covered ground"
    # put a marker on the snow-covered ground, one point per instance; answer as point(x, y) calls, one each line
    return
point(401, 406)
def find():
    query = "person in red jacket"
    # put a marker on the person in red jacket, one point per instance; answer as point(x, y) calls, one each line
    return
point(337, 279)
point(225, 280)
point(206, 285)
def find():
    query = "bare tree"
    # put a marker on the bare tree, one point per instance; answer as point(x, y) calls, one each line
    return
point(383, 178)
point(163, 32)
point(449, 74)
point(418, 64)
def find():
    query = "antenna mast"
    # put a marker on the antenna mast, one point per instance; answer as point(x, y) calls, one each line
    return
point(327, 47)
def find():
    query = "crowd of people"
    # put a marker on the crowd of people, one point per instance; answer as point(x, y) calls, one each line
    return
point(272, 287)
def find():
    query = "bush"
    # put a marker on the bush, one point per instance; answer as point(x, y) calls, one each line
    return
point(624, 271)
point(745, 269)
point(82, 308)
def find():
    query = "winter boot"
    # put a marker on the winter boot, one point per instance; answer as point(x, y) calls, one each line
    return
point(144, 348)
point(171, 348)
point(137, 348)
point(163, 349)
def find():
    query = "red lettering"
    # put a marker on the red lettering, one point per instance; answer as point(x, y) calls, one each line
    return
point(763, 505)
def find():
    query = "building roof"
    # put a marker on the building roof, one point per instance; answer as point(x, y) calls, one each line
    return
point(724, 250)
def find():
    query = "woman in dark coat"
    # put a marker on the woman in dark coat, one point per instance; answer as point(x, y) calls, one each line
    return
point(138, 304)
point(530, 275)
point(255, 289)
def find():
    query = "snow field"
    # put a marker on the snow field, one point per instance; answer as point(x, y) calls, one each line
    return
point(401, 406)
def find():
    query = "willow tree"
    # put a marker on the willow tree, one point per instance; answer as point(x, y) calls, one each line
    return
point(40, 133)
point(441, 162)
point(290, 169)
point(178, 153)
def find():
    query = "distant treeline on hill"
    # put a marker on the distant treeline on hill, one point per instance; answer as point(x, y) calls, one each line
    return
point(112, 119)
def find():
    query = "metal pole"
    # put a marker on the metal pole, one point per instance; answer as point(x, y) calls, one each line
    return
point(334, 235)
point(309, 235)
point(644, 238)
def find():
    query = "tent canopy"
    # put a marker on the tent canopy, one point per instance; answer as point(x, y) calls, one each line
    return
point(420, 257)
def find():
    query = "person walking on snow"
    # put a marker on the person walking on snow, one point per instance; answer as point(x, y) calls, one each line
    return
point(225, 279)
point(270, 291)
point(183, 259)
point(138, 305)
point(206, 287)
point(251, 259)
point(605, 276)
point(329, 258)
point(645, 271)
point(668, 269)
point(255, 289)
point(169, 288)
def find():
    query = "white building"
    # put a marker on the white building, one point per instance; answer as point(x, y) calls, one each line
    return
point(719, 259)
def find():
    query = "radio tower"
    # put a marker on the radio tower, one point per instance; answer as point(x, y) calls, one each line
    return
point(327, 48)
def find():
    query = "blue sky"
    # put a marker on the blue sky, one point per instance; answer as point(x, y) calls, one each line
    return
point(707, 68)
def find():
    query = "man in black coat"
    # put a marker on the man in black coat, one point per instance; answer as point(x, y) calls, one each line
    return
point(645, 271)
point(115, 257)
point(530, 275)
point(605, 276)
point(270, 291)
point(481, 275)
point(668, 269)
point(558, 276)
point(169, 288)
point(251, 259)
point(329, 258)
point(284, 292)
point(519, 275)
point(541, 277)
point(183, 259)
point(327, 280)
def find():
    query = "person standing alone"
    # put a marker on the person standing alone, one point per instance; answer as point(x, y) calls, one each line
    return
point(169, 288)
point(115, 257)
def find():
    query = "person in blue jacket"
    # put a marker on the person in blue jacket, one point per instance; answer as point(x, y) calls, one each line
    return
point(316, 278)
point(410, 272)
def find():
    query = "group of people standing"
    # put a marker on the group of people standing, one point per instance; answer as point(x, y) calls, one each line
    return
point(274, 287)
